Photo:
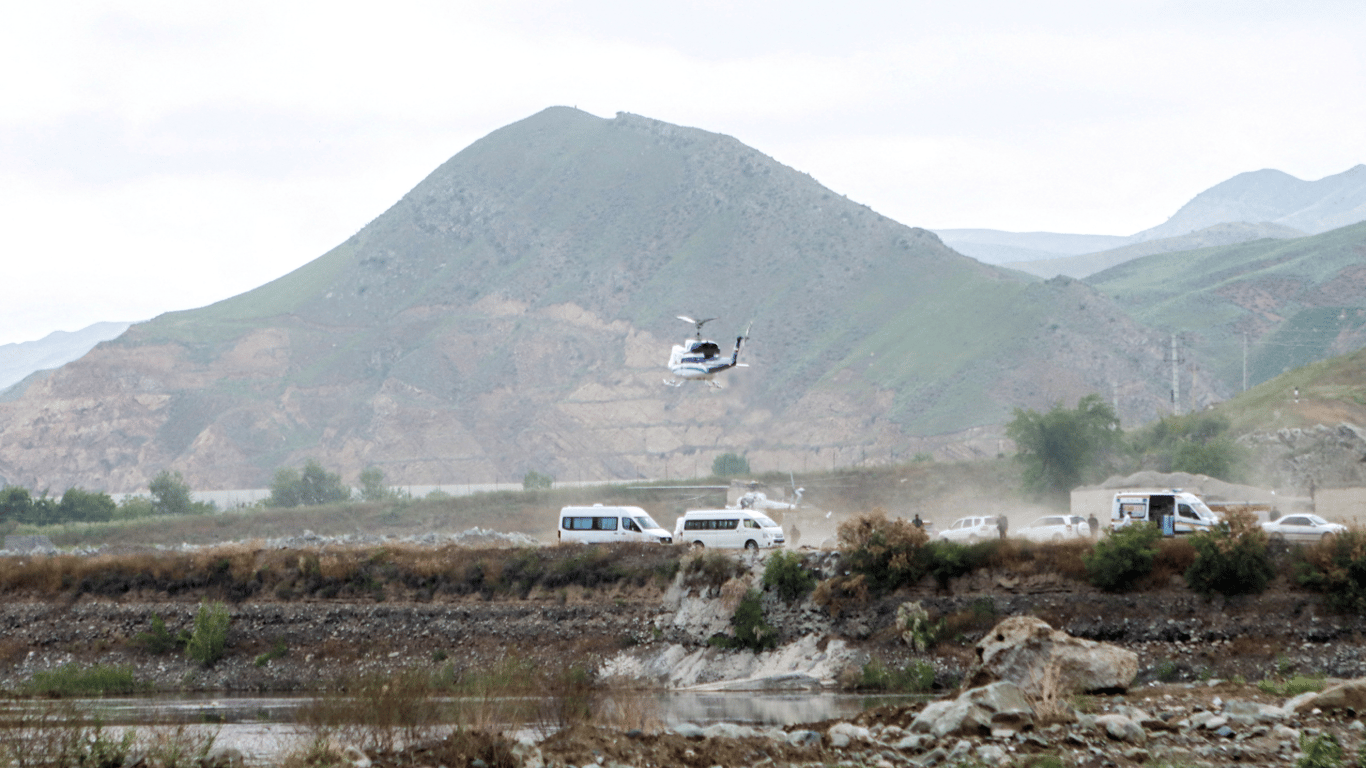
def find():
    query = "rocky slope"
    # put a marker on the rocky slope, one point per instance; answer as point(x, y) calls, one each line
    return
point(514, 312)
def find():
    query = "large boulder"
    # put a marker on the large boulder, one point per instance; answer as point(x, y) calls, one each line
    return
point(1348, 695)
point(1046, 662)
point(999, 708)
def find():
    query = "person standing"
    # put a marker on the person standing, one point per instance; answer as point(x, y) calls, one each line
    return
point(1001, 525)
point(917, 522)
point(1094, 525)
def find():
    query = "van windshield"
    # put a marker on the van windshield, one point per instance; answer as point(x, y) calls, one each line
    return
point(646, 523)
point(764, 521)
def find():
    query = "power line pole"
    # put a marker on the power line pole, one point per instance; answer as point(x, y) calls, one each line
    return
point(1176, 380)
point(1244, 361)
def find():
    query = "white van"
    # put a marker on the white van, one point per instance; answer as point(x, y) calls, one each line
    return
point(603, 525)
point(1186, 511)
point(728, 528)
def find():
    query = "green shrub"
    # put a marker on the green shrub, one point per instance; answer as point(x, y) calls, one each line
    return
point(1293, 686)
point(1321, 751)
point(209, 639)
point(277, 651)
point(915, 677)
point(784, 572)
point(535, 481)
point(728, 464)
point(916, 628)
point(1119, 560)
point(711, 568)
point(751, 630)
point(75, 680)
point(1337, 568)
point(158, 641)
point(1231, 559)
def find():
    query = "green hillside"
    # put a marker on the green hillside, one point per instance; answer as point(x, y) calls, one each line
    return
point(514, 311)
point(1296, 301)
point(640, 220)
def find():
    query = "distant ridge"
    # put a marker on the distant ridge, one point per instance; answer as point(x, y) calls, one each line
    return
point(57, 348)
point(1272, 196)
point(1088, 264)
point(993, 246)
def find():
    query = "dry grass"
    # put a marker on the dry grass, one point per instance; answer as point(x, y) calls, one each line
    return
point(1174, 556)
point(238, 572)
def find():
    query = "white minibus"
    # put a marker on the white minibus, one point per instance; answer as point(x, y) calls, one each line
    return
point(602, 525)
point(728, 528)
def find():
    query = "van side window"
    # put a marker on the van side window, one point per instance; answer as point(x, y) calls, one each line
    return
point(630, 525)
point(751, 524)
point(578, 523)
point(604, 523)
point(1184, 510)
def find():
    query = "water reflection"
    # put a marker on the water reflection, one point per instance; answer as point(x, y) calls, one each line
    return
point(265, 728)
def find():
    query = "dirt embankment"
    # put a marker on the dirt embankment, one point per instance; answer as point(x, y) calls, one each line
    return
point(1178, 635)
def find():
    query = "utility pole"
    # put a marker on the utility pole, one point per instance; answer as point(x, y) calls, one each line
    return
point(1244, 361)
point(1176, 380)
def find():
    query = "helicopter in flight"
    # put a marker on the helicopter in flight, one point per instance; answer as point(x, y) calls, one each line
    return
point(699, 359)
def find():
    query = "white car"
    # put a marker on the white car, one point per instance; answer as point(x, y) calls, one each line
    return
point(1301, 528)
point(1056, 528)
point(970, 530)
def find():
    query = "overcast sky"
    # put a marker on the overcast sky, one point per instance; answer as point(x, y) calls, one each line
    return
point(157, 156)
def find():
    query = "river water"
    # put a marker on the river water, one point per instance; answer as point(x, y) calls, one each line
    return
point(265, 728)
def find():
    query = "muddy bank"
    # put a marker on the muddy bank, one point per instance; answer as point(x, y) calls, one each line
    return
point(662, 637)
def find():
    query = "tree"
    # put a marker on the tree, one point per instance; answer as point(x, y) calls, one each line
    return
point(1064, 448)
point(81, 506)
point(535, 481)
point(313, 486)
point(729, 464)
point(372, 487)
point(16, 505)
point(170, 494)
point(1197, 443)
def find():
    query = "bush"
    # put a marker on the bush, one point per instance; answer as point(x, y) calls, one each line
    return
point(915, 677)
point(535, 481)
point(159, 640)
point(209, 639)
point(916, 628)
point(728, 464)
point(784, 572)
point(888, 553)
point(1120, 560)
point(751, 630)
point(1231, 559)
point(313, 486)
point(1320, 751)
point(75, 680)
point(1337, 568)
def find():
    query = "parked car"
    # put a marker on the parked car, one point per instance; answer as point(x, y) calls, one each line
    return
point(1056, 528)
point(1301, 528)
point(970, 530)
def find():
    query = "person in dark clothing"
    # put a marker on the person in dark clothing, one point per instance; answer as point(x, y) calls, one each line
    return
point(1094, 524)
point(1001, 525)
point(916, 522)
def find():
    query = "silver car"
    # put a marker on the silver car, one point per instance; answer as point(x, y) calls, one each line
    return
point(1057, 528)
point(1301, 528)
